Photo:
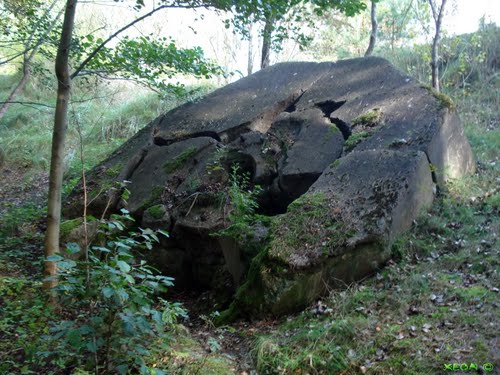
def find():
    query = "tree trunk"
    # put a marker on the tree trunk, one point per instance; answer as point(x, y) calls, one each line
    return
point(27, 57)
point(17, 89)
point(437, 14)
point(373, 34)
point(58, 137)
point(266, 43)
point(250, 50)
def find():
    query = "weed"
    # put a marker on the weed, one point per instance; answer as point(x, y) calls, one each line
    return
point(370, 118)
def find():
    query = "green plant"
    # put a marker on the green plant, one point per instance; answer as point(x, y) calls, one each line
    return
point(244, 205)
point(109, 304)
point(369, 118)
point(354, 139)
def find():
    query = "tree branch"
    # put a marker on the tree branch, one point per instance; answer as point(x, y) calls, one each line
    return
point(112, 36)
point(28, 103)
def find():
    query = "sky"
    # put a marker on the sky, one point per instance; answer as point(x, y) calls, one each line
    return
point(229, 50)
point(465, 18)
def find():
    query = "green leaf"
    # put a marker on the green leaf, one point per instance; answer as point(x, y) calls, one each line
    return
point(92, 347)
point(124, 266)
point(122, 369)
point(122, 294)
point(72, 248)
point(54, 258)
point(108, 292)
point(66, 264)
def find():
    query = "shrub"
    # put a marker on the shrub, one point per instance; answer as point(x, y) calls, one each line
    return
point(109, 306)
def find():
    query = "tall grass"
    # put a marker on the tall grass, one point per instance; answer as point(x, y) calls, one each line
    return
point(106, 114)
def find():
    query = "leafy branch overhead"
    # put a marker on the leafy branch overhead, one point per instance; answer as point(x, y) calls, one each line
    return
point(289, 19)
point(147, 61)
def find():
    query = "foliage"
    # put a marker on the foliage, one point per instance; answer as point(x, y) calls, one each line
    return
point(110, 304)
point(243, 200)
point(468, 61)
point(28, 24)
point(401, 21)
point(289, 17)
point(148, 61)
point(22, 322)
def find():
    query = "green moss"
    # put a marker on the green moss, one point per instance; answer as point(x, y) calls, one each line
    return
point(335, 164)
point(174, 164)
point(368, 118)
point(68, 225)
point(354, 139)
point(156, 211)
point(444, 100)
point(310, 222)
point(249, 299)
point(114, 171)
point(154, 197)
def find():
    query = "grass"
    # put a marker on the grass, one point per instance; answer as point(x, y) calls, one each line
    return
point(105, 115)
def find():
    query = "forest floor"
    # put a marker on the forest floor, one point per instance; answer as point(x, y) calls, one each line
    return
point(435, 304)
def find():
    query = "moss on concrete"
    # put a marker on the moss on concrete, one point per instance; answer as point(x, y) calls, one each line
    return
point(156, 212)
point(154, 198)
point(444, 100)
point(114, 171)
point(311, 229)
point(68, 226)
point(176, 163)
point(369, 118)
point(355, 139)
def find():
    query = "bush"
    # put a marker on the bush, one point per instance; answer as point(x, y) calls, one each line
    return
point(109, 305)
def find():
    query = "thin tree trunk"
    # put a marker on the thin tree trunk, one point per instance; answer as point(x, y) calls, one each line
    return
point(58, 138)
point(29, 53)
point(266, 43)
point(250, 50)
point(373, 34)
point(437, 14)
point(26, 75)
